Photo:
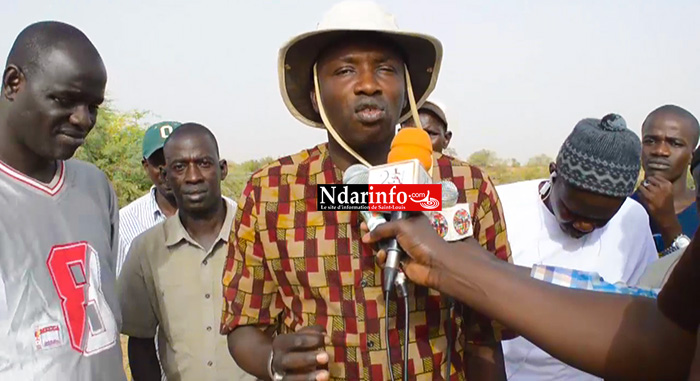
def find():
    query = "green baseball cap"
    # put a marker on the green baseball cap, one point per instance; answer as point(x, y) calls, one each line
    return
point(155, 137)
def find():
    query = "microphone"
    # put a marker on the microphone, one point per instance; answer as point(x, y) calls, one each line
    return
point(410, 158)
point(358, 174)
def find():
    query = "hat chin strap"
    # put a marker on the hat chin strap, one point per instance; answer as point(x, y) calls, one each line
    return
point(334, 133)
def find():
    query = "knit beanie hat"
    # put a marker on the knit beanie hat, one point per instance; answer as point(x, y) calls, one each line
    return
point(601, 156)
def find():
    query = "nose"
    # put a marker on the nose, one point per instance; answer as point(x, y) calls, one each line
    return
point(193, 175)
point(367, 83)
point(584, 227)
point(83, 117)
point(661, 149)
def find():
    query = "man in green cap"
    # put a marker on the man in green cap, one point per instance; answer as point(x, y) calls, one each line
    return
point(159, 203)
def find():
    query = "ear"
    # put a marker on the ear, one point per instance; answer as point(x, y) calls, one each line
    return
point(163, 174)
point(314, 104)
point(448, 137)
point(12, 81)
point(553, 170)
point(144, 163)
point(224, 169)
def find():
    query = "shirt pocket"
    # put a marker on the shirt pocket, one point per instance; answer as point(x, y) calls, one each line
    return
point(179, 308)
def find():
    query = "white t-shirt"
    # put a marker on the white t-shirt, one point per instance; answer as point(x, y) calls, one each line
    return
point(620, 251)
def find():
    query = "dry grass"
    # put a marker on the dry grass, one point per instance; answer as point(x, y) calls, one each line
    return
point(125, 357)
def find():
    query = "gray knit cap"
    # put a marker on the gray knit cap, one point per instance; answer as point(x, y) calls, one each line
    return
point(601, 156)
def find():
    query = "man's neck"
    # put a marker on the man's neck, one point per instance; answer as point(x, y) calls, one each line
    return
point(21, 159)
point(205, 227)
point(682, 195)
point(375, 154)
point(167, 206)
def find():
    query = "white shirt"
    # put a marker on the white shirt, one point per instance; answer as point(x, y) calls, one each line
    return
point(134, 219)
point(620, 251)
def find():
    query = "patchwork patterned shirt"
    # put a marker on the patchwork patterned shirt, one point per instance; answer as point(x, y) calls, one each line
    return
point(293, 266)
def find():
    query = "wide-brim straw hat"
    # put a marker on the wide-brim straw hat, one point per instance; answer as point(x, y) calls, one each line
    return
point(423, 54)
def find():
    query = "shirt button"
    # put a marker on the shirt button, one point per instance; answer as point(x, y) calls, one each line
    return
point(207, 296)
point(205, 262)
point(209, 328)
point(210, 363)
point(363, 283)
point(370, 344)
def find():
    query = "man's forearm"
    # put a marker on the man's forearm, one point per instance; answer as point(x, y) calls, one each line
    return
point(612, 336)
point(250, 347)
point(143, 360)
point(670, 229)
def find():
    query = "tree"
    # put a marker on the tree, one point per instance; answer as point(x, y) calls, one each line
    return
point(540, 160)
point(484, 158)
point(114, 146)
point(449, 151)
point(239, 174)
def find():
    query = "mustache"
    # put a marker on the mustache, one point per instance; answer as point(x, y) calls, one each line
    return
point(73, 132)
point(366, 102)
point(193, 190)
point(659, 161)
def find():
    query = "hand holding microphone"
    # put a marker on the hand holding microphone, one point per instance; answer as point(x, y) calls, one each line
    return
point(422, 260)
point(409, 161)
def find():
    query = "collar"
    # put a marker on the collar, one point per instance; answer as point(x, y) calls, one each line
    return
point(154, 203)
point(175, 232)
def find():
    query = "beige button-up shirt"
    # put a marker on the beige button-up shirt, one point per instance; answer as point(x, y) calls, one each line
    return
point(172, 284)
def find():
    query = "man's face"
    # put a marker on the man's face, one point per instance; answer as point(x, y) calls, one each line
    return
point(194, 172)
point(439, 136)
point(363, 91)
point(667, 146)
point(54, 106)
point(580, 212)
point(153, 166)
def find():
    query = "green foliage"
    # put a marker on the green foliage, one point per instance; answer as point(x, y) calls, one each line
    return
point(114, 146)
point(239, 174)
point(541, 160)
point(485, 159)
point(449, 151)
point(509, 171)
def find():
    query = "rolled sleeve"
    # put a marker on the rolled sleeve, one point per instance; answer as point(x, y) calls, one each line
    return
point(250, 292)
point(138, 316)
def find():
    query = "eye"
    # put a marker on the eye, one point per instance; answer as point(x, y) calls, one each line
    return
point(345, 70)
point(676, 143)
point(61, 101)
point(205, 163)
point(387, 69)
point(179, 167)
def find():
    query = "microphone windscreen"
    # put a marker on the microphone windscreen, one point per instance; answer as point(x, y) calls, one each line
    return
point(450, 194)
point(356, 174)
point(412, 143)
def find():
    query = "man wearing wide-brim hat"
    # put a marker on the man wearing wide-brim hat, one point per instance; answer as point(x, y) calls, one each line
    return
point(305, 274)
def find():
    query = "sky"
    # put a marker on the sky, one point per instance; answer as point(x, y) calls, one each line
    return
point(516, 75)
